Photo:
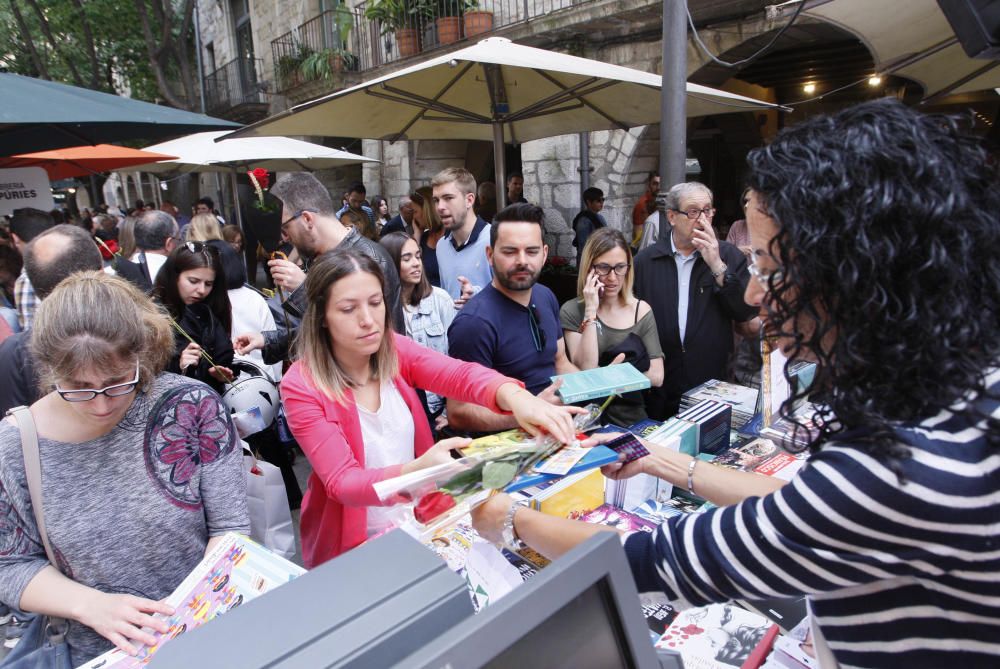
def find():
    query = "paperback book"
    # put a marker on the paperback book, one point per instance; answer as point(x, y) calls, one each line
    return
point(748, 456)
point(601, 382)
point(742, 399)
point(717, 636)
point(612, 516)
point(235, 572)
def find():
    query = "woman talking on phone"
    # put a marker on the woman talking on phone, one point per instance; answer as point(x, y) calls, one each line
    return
point(351, 404)
point(607, 324)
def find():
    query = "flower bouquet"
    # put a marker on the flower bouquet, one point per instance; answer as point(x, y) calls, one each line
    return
point(431, 499)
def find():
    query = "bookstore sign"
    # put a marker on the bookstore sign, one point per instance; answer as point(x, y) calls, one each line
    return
point(25, 187)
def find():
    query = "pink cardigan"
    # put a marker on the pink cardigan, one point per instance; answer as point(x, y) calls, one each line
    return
point(334, 515)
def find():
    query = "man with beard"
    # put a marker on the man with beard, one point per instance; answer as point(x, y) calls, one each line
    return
point(310, 223)
point(512, 325)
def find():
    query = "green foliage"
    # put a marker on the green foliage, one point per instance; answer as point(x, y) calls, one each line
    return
point(322, 64)
point(397, 14)
point(120, 59)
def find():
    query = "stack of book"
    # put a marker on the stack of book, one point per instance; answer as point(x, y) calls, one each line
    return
point(743, 400)
point(713, 420)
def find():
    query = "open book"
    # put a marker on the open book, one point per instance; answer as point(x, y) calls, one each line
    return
point(236, 571)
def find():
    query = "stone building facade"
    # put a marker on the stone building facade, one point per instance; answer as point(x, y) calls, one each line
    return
point(614, 31)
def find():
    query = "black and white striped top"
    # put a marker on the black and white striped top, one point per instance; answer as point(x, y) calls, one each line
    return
point(899, 575)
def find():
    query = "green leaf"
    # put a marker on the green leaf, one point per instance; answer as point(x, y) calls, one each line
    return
point(498, 474)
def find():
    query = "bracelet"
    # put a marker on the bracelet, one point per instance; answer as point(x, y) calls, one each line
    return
point(716, 275)
point(583, 324)
point(691, 466)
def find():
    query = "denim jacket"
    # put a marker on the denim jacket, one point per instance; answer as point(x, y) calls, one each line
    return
point(427, 324)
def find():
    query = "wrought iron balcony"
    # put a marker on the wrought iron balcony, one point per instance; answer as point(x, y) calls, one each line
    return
point(234, 91)
point(379, 32)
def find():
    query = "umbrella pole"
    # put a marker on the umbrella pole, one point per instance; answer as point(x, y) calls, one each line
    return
point(500, 169)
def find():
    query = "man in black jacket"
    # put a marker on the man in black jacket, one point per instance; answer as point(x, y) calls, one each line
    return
point(48, 259)
point(695, 284)
point(309, 221)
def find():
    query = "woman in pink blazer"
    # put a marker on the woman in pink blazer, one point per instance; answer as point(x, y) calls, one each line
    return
point(350, 403)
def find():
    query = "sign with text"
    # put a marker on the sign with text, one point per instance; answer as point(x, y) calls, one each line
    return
point(25, 187)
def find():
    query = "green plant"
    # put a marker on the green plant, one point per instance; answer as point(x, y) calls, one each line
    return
point(289, 65)
point(322, 64)
point(399, 14)
point(343, 21)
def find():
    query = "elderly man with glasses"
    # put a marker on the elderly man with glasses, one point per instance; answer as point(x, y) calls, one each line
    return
point(695, 284)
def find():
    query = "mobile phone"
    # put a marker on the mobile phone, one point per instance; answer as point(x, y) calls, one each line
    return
point(628, 445)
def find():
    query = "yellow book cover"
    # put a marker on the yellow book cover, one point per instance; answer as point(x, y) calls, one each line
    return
point(581, 493)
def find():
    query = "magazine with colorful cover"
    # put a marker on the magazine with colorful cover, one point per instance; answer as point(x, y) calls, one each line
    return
point(744, 458)
point(717, 636)
point(612, 516)
point(235, 572)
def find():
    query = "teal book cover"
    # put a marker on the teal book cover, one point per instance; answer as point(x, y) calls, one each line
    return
point(601, 382)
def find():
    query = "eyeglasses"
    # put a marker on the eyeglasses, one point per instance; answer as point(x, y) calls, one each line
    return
point(86, 394)
point(285, 223)
point(537, 333)
point(695, 214)
point(764, 278)
point(603, 269)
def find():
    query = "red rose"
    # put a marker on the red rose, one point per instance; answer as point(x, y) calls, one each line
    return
point(108, 249)
point(260, 174)
point(432, 505)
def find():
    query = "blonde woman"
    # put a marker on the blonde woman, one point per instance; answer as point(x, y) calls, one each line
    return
point(607, 323)
point(351, 404)
point(203, 228)
point(141, 473)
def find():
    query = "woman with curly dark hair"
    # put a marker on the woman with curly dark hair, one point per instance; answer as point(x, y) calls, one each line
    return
point(873, 233)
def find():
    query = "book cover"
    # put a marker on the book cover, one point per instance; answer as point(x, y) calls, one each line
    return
point(658, 511)
point(783, 466)
point(742, 399)
point(572, 495)
point(717, 636)
point(644, 427)
point(601, 382)
point(597, 457)
point(748, 456)
point(453, 544)
point(526, 568)
point(673, 427)
point(619, 519)
point(657, 611)
point(714, 421)
point(235, 572)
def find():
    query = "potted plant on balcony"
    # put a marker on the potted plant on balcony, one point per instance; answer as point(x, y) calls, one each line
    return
point(289, 66)
point(476, 20)
point(401, 18)
point(323, 64)
point(449, 20)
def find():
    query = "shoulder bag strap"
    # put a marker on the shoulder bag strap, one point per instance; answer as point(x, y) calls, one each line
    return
point(33, 472)
point(637, 303)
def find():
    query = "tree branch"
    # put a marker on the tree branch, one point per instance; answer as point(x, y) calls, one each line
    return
point(36, 60)
point(88, 36)
point(47, 31)
point(156, 54)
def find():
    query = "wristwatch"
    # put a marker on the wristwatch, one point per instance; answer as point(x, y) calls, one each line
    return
point(716, 275)
point(508, 533)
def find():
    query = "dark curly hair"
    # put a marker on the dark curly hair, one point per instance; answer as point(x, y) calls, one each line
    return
point(887, 238)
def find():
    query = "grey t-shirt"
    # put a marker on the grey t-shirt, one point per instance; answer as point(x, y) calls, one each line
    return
point(132, 511)
point(620, 413)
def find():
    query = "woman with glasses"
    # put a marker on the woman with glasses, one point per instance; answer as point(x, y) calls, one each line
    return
point(428, 310)
point(141, 473)
point(427, 230)
point(351, 404)
point(607, 324)
point(191, 285)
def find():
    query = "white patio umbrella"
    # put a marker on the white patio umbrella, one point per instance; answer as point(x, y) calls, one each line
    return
point(493, 90)
point(201, 153)
point(911, 39)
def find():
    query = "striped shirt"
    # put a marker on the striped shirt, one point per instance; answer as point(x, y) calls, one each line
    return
point(898, 574)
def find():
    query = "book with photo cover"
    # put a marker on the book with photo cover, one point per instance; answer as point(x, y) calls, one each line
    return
point(717, 636)
point(612, 516)
point(748, 456)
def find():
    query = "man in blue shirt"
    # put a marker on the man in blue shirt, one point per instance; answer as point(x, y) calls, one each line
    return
point(461, 253)
point(512, 325)
point(356, 203)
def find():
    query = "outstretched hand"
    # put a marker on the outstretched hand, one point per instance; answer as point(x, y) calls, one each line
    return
point(124, 618)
